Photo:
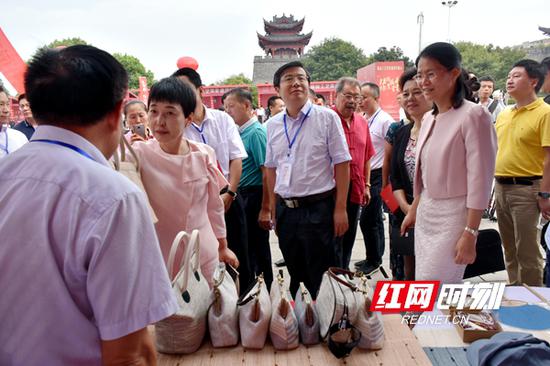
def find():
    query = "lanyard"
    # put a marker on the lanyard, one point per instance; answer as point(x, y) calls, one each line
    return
point(5, 148)
point(291, 142)
point(200, 130)
point(374, 117)
point(64, 144)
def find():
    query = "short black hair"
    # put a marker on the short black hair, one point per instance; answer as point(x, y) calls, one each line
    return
point(375, 88)
point(241, 94)
point(174, 90)
point(191, 74)
point(487, 78)
point(534, 70)
point(319, 95)
point(131, 103)
point(272, 99)
point(77, 85)
point(280, 71)
point(407, 75)
point(21, 96)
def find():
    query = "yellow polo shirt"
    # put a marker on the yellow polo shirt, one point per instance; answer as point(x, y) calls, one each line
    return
point(522, 133)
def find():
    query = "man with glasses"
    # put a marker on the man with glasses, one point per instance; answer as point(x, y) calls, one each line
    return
point(371, 221)
point(307, 161)
point(27, 125)
point(356, 129)
point(10, 139)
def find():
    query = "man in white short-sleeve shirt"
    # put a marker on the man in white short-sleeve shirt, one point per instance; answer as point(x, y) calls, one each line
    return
point(85, 276)
point(218, 130)
point(10, 139)
point(307, 161)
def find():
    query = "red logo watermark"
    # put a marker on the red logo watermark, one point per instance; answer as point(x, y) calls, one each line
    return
point(398, 296)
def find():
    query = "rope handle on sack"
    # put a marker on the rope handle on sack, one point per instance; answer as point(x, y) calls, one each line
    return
point(124, 144)
point(335, 271)
point(193, 246)
point(304, 292)
point(281, 282)
point(248, 296)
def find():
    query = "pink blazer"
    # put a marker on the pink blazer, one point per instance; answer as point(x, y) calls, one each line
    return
point(462, 152)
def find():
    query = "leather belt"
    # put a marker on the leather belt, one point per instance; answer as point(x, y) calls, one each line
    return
point(297, 202)
point(524, 181)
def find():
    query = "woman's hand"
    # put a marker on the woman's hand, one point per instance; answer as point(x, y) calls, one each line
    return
point(227, 201)
point(408, 221)
point(466, 249)
point(135, 137)
point(226, 255)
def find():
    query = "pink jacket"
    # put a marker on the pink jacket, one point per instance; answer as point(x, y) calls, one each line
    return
point(462, 152)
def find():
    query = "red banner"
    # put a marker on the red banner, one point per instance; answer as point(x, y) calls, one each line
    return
point(11, 64)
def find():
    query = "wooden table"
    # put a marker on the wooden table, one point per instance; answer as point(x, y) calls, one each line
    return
point(401, 348)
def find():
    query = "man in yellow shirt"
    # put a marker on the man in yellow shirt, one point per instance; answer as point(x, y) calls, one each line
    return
point(523, 173)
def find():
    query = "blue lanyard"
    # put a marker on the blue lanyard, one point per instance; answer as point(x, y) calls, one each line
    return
point(291, 142)
point(373, 118)
point(200, 130)
point(64, 144)
point(5, 148)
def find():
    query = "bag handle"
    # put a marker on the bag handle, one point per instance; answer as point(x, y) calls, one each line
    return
point(185, 270)
point(124, 144)
point(248, 294)
point(335, 271)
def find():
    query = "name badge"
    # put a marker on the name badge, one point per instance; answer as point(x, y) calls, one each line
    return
point(285, 171)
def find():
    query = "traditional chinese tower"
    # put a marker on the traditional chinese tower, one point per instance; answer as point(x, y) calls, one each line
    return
point(281, 43)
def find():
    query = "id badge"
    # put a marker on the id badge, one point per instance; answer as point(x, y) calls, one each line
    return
point(285, 171)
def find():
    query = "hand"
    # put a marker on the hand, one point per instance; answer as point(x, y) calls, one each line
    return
point(226, 255)
point(408, 222)
point(367, 195)
point(227, 201)
point(264, 219)
point(135, 137)
point(340, 221)
point(406, 208)
point(466, 249)
point(544, 207)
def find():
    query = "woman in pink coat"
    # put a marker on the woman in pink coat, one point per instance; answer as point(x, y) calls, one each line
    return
point(181, 177)
point(455, 164)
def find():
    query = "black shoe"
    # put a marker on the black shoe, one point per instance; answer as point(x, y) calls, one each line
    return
point(360, 263)
point(280, 263)
point(369, 268)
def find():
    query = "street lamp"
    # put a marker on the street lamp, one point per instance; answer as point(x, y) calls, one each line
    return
point(420, 22)
point(449, 4)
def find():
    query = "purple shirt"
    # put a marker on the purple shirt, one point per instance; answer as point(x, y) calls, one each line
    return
point(79, 258)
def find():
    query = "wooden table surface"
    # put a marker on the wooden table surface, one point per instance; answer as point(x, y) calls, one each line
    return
point(400, 348)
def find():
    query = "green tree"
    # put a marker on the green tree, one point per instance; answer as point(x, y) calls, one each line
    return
point(334, 58)
point(135, 69)
point(487, 60)
point(241, 79)
point(67, 42)
point(393, 54)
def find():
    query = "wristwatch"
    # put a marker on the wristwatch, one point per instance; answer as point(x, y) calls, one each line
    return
point(472, 231)
point(229, 192)
point(545, 195)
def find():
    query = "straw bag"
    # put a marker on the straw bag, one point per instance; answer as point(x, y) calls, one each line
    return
point(337, 292)
point(130, 169)
point(308, 320)
point(369, 323)
point(254, 315)
point(223, 315)
point(283, 328)
point(184, 331)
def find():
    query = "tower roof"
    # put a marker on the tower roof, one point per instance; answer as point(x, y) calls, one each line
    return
point(546, 31)
point(274, 39)
point(283, 23)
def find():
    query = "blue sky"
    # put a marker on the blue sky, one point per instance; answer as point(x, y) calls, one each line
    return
point(221, 35)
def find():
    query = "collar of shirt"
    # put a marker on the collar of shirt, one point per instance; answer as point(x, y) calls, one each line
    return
point(47, 132)
point(371, 118)
point(249, 123)
point(344, 121)
point(536, 103)
point(302, 113)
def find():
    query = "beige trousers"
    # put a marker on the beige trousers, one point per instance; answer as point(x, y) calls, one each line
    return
point(518, 216)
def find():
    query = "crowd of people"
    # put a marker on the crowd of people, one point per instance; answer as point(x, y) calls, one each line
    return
point(91, 260)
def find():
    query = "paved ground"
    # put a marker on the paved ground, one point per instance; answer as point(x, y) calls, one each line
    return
point(359, 254)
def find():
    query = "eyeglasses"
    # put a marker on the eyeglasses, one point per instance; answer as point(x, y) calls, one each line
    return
point(354, 97)
point(430, 75)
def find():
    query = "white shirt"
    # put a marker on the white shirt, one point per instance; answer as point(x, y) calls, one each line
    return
point(79, 257)
point(320, 144)
point(10, 140)
point(379, 123)
point(499, 108)
point(220, 132)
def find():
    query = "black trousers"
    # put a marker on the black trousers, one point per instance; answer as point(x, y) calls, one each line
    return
point(349, 236)
point(237, 240)
point(306, 239)
point(259, 253)
point(372, 225)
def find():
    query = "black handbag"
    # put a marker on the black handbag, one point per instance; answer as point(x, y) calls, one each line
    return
point(402, 245)
point(489, 254)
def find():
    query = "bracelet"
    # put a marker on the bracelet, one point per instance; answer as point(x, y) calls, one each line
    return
point(474, 232)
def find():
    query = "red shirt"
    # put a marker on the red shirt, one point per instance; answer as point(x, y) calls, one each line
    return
point(361, 150)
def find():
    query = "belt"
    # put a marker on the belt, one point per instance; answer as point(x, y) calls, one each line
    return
point(250, 189)
point(524, 181)
point(297, 202)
